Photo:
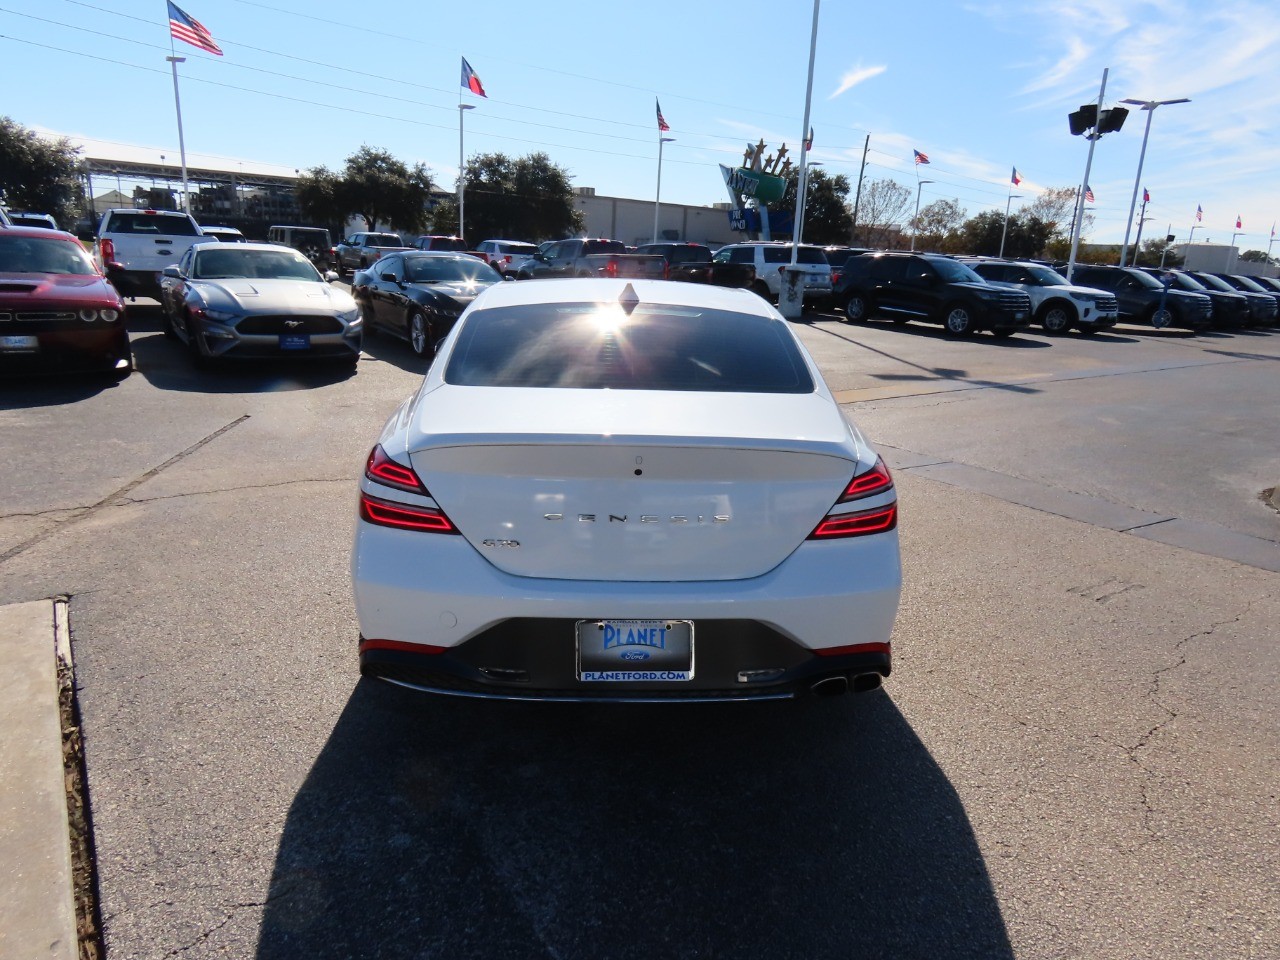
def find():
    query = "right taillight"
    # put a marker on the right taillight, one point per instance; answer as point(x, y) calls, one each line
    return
point(107, 249)
point(858, 524)
point(875, 480)
point(864, 522)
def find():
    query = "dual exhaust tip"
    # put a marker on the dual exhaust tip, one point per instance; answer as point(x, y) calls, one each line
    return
point(840, 683)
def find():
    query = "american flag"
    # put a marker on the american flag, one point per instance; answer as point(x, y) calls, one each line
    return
point(1088, 194)
point(921, 157)
point(1016, 179)
point(471, 81)
point(1199, 213)
point(663, 126)
point(184, 27)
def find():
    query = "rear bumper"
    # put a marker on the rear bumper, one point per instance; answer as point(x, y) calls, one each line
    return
point(136, 283)
point(415, 590)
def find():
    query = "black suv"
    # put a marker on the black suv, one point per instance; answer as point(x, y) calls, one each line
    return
point(925, 286)
point(1143, 299)
point(1262, 312)
point(1229, 309)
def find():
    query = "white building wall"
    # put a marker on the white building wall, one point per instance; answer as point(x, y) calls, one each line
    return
point(631, 221)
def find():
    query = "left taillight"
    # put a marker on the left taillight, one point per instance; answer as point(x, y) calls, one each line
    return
point(403, 516)
point(863, 522)
point(381, 469)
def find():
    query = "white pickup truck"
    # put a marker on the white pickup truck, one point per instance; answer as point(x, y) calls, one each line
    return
point(134, 246)
point(361, 249)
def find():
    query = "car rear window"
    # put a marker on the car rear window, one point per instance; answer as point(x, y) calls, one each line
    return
point(520, 248)
point(385, 240)
point(590, 247)
point(154, 224)
point(592, 346)
point(806, 255)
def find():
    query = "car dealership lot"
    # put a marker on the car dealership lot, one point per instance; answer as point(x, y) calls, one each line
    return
point(1076, 754)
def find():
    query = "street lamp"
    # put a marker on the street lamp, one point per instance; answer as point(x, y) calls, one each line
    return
point(1150, 107)
point(915, 226)
point(462, 170)
point(657, 196)
point(804, 203)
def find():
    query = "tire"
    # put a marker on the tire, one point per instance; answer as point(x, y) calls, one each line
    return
point(857, 308)
point(957, 319)
point(1160, 317)
point(166, 325)
point(421, 336)
point(1056, 317)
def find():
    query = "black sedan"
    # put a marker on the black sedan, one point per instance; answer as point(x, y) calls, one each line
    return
point(418, 296)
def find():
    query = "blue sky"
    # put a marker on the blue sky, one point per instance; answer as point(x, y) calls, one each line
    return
point(978, 86)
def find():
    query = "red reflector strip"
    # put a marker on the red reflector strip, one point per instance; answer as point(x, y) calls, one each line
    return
point(857, 524)
point(403, 516)
point(380, 468)
point(875, 480)
point(852, 648)
point(400, 646)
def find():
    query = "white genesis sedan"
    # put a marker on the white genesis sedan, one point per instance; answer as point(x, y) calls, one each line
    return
point(625, 491)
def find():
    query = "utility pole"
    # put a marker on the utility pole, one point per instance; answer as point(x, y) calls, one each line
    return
point(857, 197)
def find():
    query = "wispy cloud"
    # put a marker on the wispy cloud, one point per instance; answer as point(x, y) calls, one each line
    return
point(855, 76)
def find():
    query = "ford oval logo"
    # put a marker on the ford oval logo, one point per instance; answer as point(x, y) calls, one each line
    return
point(635, 655)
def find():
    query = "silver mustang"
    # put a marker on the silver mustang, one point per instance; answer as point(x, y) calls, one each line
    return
point(257, 300)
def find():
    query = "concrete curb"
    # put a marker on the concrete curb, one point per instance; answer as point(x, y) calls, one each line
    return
point(37, 909)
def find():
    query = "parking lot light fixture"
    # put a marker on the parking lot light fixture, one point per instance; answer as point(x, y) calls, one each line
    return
point(1150, 107)
point(915, 225)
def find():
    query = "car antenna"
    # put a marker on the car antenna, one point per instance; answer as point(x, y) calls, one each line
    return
point(629, 299)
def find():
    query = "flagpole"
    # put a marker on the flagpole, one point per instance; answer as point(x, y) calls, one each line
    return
point(462, 170)
point(657, 196)
point(857, 197)
point(182, 146)
point(1167, 230)
point(1003, 233)
point(1272, 240)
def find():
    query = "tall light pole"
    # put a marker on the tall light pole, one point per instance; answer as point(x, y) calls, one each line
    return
point(1005, 232)
point(1150, 107)
point(791, 293)
point(462, 169)
point(804, 206)
point(657, 196)
point(857, 197)
point(915, 227)
point(1099, 121)
point(1235, 254)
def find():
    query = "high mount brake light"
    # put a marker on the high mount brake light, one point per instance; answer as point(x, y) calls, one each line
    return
point(380, 468)
point(404, 517)
point(859, 524)
point(875, 480)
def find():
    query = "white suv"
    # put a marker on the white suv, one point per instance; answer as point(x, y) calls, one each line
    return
point(770, 259)
point(1057, 305)
point(506, 256)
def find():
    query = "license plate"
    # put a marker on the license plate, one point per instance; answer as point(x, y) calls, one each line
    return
point(19, 344)
point(295, 341)
point(628, 651)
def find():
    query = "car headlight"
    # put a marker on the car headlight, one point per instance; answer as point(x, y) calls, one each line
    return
point(221, 316)
point(351, 316)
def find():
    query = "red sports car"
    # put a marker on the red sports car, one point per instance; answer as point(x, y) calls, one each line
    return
point(56, 310)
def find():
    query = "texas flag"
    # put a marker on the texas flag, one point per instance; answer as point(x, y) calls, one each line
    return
point(1146, 195)
point(1016, 179)
point(1238, 225)
point(471, 81)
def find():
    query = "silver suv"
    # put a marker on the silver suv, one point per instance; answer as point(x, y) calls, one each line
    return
point(1057, 305)
point(770, 259)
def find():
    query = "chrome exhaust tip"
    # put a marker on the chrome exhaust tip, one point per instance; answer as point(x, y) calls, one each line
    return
point(831, 686)
point(863, 682)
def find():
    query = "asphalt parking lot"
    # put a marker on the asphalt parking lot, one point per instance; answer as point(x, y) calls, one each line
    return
point(1076, 755)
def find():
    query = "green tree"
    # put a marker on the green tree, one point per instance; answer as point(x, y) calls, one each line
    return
point(1257, 256)
point(39, 175)
point(1153, 252)
point(938, 227)
point(826, 211)
point(1026, 236)
point(1056, 207)
point(528, 198)
point(373, 185)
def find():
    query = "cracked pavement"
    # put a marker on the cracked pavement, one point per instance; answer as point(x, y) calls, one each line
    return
point(1076, 756)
